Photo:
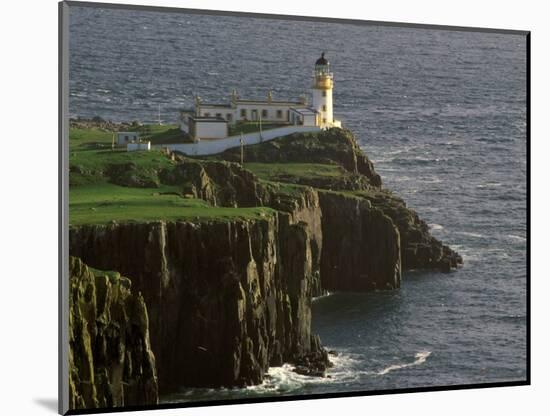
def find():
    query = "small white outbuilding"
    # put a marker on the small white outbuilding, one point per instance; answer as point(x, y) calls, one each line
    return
point(125, 137)
point(130, 147)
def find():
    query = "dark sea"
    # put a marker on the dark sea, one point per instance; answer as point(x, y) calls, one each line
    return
point(442, 114)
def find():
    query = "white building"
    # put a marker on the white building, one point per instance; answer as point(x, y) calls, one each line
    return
point(125, 137)
point(211, 121)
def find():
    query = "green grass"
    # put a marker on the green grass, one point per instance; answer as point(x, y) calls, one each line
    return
point(90, 155)
point(97, 139)
point(103, 203)
point(92, 200)
point(280, 171)
point(99, 159)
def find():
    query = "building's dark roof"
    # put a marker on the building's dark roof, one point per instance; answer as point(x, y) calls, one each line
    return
point(273, 102)
point(208, 119)
point(205, 105)
point(304, 110)
point(322, 60)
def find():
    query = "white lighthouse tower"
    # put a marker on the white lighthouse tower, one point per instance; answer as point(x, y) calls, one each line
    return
point(323, 83)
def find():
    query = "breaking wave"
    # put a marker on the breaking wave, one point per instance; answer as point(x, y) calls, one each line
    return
point(420, 358)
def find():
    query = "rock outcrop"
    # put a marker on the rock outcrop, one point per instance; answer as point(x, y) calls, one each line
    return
point(226, 299)
point(110, 359)
point(221, 184)
point(361, 249)
point(419, 249)
point(334, 145)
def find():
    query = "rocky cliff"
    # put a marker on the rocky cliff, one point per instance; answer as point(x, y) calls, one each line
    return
point(334, 145)
point(110, 359)
point(229, 298)
point(361, 248)
point(419, 249)
point(226, 299)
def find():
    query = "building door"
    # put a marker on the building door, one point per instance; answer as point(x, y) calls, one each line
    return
point(254, 115)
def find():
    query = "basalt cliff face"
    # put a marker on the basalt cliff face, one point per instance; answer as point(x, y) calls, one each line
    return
point(229, 298)
point(226, 300)
point(361, 248)
point(110, 358)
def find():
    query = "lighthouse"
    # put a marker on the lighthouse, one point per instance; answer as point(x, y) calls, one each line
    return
point(213, 121)
point(323, 83)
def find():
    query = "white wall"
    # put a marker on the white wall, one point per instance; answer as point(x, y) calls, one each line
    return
point(210, 147)
point(130, 147)
point(210, 130)
point(309, 119)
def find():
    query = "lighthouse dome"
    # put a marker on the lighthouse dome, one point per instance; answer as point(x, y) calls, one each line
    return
point(322, 60)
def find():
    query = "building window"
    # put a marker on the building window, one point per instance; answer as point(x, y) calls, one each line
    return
point(279, 113)
point(126, 138)
point(324, 93)
point(264, 113)
point(229, 117)
point(219, 115)
point(207, 114)
point(324, 120)
point(243, 113)
point(324, 107)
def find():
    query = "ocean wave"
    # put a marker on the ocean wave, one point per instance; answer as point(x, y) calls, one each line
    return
point(419, 358)
point(316, 298)
point(418, 161)
point(284, 380)
point(470, 234)
point(489, 185)
point(435, 226)
point(431, 180)
point(516, 237)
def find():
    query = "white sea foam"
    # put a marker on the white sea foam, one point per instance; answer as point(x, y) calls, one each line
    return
point(284, 380)
point(432, 180)
point(345, 369)
point(516, 237)
point(470, 234)
point(321, 297)
point(420, 358)
point(435, 226)
point(489, 185)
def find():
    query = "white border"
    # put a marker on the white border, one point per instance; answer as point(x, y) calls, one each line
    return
point(28, 302)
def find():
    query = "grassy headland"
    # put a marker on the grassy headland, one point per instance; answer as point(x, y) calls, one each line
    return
point(109, 184)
